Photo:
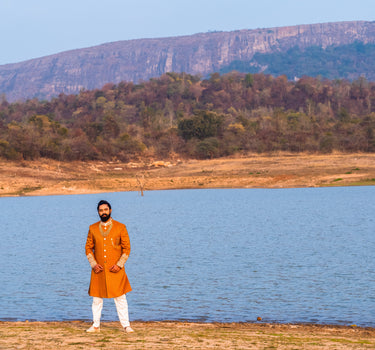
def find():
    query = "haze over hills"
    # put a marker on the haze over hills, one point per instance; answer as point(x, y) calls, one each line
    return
point(343, 49)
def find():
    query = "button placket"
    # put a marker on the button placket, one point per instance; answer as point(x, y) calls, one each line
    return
point(105, 256)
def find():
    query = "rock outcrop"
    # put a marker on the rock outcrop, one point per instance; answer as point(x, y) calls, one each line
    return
point(137, 60)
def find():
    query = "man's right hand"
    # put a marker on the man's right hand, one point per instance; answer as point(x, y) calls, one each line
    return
point(98, 268)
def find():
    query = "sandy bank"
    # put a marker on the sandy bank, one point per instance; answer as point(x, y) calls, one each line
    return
point(183, 335)
point(45, 177)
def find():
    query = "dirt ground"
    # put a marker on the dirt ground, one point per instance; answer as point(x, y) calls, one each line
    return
point(183, 335)
point(46, 177)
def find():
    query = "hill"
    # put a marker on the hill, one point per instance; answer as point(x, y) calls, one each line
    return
point(200, 54)
point(183, 116)
point(333, 62)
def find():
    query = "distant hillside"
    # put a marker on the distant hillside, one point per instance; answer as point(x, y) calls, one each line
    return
point(137, 60)
point(334, 62)
point(183, 116)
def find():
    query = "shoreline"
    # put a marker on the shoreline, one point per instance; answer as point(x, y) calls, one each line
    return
point(184, 335)
point(193, 322)
point(282, 170)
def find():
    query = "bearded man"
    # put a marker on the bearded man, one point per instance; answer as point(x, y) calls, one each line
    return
point(107, 249)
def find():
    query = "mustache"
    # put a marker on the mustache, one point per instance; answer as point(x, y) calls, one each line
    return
point(105, 217)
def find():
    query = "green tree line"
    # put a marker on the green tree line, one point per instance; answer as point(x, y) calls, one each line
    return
point(184, 115)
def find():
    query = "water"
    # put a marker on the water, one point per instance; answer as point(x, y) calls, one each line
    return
point(286, 255)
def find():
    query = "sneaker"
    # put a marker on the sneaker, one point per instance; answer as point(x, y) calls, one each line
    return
point(128, 329)
point(93, 329)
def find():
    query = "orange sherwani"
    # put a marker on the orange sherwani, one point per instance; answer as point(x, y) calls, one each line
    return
point(108, 248)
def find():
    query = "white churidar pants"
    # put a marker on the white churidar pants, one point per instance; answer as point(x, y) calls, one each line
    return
point(121, 307)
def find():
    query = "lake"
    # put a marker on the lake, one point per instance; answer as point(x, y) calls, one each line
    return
point(225, 255)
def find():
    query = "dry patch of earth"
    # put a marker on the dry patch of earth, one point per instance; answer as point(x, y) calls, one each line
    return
point(46, 177)
point(183, 335)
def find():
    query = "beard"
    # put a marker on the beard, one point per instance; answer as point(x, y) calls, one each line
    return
point(105, 217)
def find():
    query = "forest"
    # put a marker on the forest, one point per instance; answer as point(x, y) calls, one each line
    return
point(181, 115)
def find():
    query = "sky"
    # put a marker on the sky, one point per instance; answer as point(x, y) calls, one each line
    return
point(31, 29)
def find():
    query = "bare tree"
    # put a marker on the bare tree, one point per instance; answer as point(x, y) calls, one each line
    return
point(141, 182)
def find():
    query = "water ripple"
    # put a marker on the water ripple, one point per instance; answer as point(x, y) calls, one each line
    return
point(291, 255)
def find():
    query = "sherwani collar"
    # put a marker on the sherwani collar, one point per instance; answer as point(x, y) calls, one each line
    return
point(106, 232)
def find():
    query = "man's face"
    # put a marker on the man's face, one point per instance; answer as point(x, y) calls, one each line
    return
point(104, 212)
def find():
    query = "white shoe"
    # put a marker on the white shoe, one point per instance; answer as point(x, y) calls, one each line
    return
point(128, 329)
point(93, 329)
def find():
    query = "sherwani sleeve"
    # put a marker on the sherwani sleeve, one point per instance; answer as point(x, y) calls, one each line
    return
point(125, 248)
point(90, 244)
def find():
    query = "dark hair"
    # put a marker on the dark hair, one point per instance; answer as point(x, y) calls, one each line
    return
point(103, 202)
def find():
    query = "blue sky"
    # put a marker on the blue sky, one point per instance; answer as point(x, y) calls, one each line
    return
point(36, 28)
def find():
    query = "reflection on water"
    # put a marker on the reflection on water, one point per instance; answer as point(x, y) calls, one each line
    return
point(288, 255)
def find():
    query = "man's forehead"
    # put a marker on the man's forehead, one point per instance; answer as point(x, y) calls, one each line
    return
point(103, 206)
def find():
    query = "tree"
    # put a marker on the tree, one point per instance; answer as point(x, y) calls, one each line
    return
point(204, 124)
point(207, 148)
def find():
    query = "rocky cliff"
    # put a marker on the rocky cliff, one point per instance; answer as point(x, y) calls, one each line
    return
point(137, 60)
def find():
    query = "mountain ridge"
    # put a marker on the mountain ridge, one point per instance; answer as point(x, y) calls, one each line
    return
point(139, 60)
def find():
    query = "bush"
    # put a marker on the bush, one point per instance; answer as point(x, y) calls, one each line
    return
point(204, 124)
point(208, 148)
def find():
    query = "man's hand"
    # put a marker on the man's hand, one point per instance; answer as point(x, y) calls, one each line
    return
point(115, 268)
point(98, 268)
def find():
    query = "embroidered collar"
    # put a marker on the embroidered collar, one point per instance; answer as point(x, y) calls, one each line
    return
point(106, 232)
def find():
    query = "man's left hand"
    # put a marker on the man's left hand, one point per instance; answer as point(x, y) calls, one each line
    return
point(115, 268)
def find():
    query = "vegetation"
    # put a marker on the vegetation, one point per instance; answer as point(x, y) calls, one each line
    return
point(180, 114)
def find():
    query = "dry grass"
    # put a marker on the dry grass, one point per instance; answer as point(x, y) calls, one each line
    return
point(183, 335)
point(254, 171)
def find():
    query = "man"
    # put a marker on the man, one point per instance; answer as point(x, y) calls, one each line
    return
point(107, 249)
